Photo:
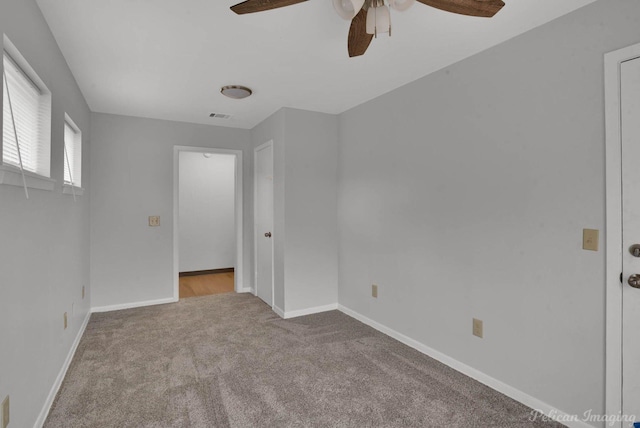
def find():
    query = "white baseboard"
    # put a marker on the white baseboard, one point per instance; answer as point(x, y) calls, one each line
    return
point(303, 312)
point(246, 290)
point(309, 311)
point(481, 377)
point(63, 371)
point(133, 305)
point(278, 311)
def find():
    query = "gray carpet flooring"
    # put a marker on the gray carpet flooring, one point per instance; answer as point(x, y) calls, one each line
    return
point(228, 361)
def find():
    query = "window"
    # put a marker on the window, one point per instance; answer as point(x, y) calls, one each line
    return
point(26, 110)
point(72, 153)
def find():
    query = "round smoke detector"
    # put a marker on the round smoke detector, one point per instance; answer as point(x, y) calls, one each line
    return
point(236, 92)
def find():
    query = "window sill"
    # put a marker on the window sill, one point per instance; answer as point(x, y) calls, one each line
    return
point(12, 176)
point(67, 190)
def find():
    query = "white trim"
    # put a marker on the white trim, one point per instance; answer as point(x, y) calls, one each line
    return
point(66, 190)
point(279, 311)
point(13, 176)
point(131, 305)
point(613, 231)
point(481, 377)
point(63, 371)
point(309, 311)
point(246, 290)
point(255, 229)
point(239, 216)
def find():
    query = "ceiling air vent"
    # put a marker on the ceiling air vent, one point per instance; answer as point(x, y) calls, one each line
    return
point(220, 116)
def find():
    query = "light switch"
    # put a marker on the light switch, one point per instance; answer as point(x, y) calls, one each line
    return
point(590, 239)
point(477, 328)
point(374, 290)
point(154, 220)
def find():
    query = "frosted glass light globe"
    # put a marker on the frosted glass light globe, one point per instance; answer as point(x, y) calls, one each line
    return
point(401, 5)
point(348, 9)
point(378, 20)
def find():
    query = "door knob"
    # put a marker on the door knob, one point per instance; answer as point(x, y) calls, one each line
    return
point(634, 280)
point(268, 235)
point(635, 250)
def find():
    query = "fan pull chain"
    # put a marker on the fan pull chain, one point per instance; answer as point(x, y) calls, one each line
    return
point(375, 25)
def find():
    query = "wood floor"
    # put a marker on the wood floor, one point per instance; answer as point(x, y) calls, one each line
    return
point(204, 285)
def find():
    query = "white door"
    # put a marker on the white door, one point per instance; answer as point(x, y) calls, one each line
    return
point(264, 222)
point(630, 115)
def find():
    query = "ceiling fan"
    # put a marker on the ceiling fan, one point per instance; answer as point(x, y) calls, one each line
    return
point(371, 17)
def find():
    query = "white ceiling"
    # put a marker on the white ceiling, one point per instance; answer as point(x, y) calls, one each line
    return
point(167, 59)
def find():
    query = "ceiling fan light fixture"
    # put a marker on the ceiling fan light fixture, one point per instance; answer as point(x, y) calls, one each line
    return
point(236, 92)
point(378, 20)
point(370, 17)
point(401, 5)
point(348, 9)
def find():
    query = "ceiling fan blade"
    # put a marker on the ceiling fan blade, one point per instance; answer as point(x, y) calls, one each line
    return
point(251, 6)
point(482, 8)
point(359, 40)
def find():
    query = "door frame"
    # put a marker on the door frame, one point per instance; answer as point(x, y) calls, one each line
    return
point(238, 213)
point(255, 225)
point(613, 252)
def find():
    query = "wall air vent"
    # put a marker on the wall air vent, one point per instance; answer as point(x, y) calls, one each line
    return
point(220, 116)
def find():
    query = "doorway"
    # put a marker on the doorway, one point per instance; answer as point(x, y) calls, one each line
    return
point(622, 91)
point(207, 238)
point(263, 222)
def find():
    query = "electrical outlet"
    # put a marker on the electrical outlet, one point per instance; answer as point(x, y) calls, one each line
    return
point(374, 290)
point(154, 220)
point(83, 291)
point(477, 328)
point(590, 239)
point(5, 412)
point(65, 320)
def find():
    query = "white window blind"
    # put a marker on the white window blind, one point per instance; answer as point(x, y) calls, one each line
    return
point(30, 115)
point(73, 155)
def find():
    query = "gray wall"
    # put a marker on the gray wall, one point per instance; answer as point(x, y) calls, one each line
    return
point(464, 194)
point(44, 256)
point(311, 227)
point(206, 211)
point(305, 147)
point(132, 168)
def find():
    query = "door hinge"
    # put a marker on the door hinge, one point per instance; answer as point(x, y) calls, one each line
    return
point(620, 277)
